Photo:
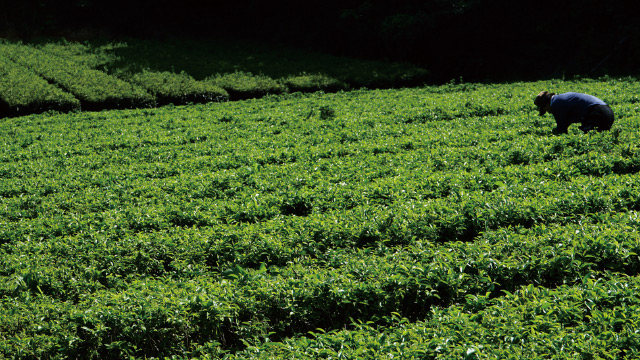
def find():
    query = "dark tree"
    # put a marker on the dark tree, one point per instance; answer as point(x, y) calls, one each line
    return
point(475, 39)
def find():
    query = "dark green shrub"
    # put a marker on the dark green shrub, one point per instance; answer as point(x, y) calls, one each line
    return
point(4, 109)
point(327, 113)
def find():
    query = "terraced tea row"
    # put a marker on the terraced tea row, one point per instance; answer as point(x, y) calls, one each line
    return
point(67, 76)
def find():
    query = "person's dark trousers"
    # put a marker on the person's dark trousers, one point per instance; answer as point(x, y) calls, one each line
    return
point(599, 117)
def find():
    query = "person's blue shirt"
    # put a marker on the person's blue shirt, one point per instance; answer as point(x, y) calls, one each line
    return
point(571, 107)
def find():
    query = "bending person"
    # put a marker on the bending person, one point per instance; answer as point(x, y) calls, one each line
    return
point(571, 108)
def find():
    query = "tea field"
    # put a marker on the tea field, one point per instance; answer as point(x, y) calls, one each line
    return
point(440, 222)
point(63, 76)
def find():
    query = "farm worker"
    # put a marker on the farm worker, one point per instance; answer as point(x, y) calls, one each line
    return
point(570, 108)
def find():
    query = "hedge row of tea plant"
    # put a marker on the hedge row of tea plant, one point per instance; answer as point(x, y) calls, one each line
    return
point(439, 222)
point(594, 319)
point(94, 89)
point(23, 92)
point(132, 74)
point(178, 89)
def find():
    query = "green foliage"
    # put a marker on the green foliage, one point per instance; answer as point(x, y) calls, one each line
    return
point(436, 222)
point(313, 82)
point(178, 88)
point(594, 319)
point(243, 85)
point(132, 75)
point(95, 89)
point(23, 92)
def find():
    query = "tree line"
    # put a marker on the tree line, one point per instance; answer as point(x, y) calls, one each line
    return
point(472, 39)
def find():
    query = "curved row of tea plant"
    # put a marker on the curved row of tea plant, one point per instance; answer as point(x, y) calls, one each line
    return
point(239, 228)
point(241, 305)
point(132, 75)
point(171, 88)
point(23, 92)
point(596, 318)
point(94, 89)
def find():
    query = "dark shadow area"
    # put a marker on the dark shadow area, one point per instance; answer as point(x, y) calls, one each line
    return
point(478, 40)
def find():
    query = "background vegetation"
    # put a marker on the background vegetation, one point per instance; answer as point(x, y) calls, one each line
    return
point(65, 76)
point(475, 39)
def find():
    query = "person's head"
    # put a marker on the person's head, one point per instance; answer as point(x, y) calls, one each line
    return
point(543, 101)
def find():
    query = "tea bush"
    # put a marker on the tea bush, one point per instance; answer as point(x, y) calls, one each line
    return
point(313, 82)
point(244, 85)
point(23, 92)
point(95, 89)
point(178, 89)
point(107, 75)
point(437, 222)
